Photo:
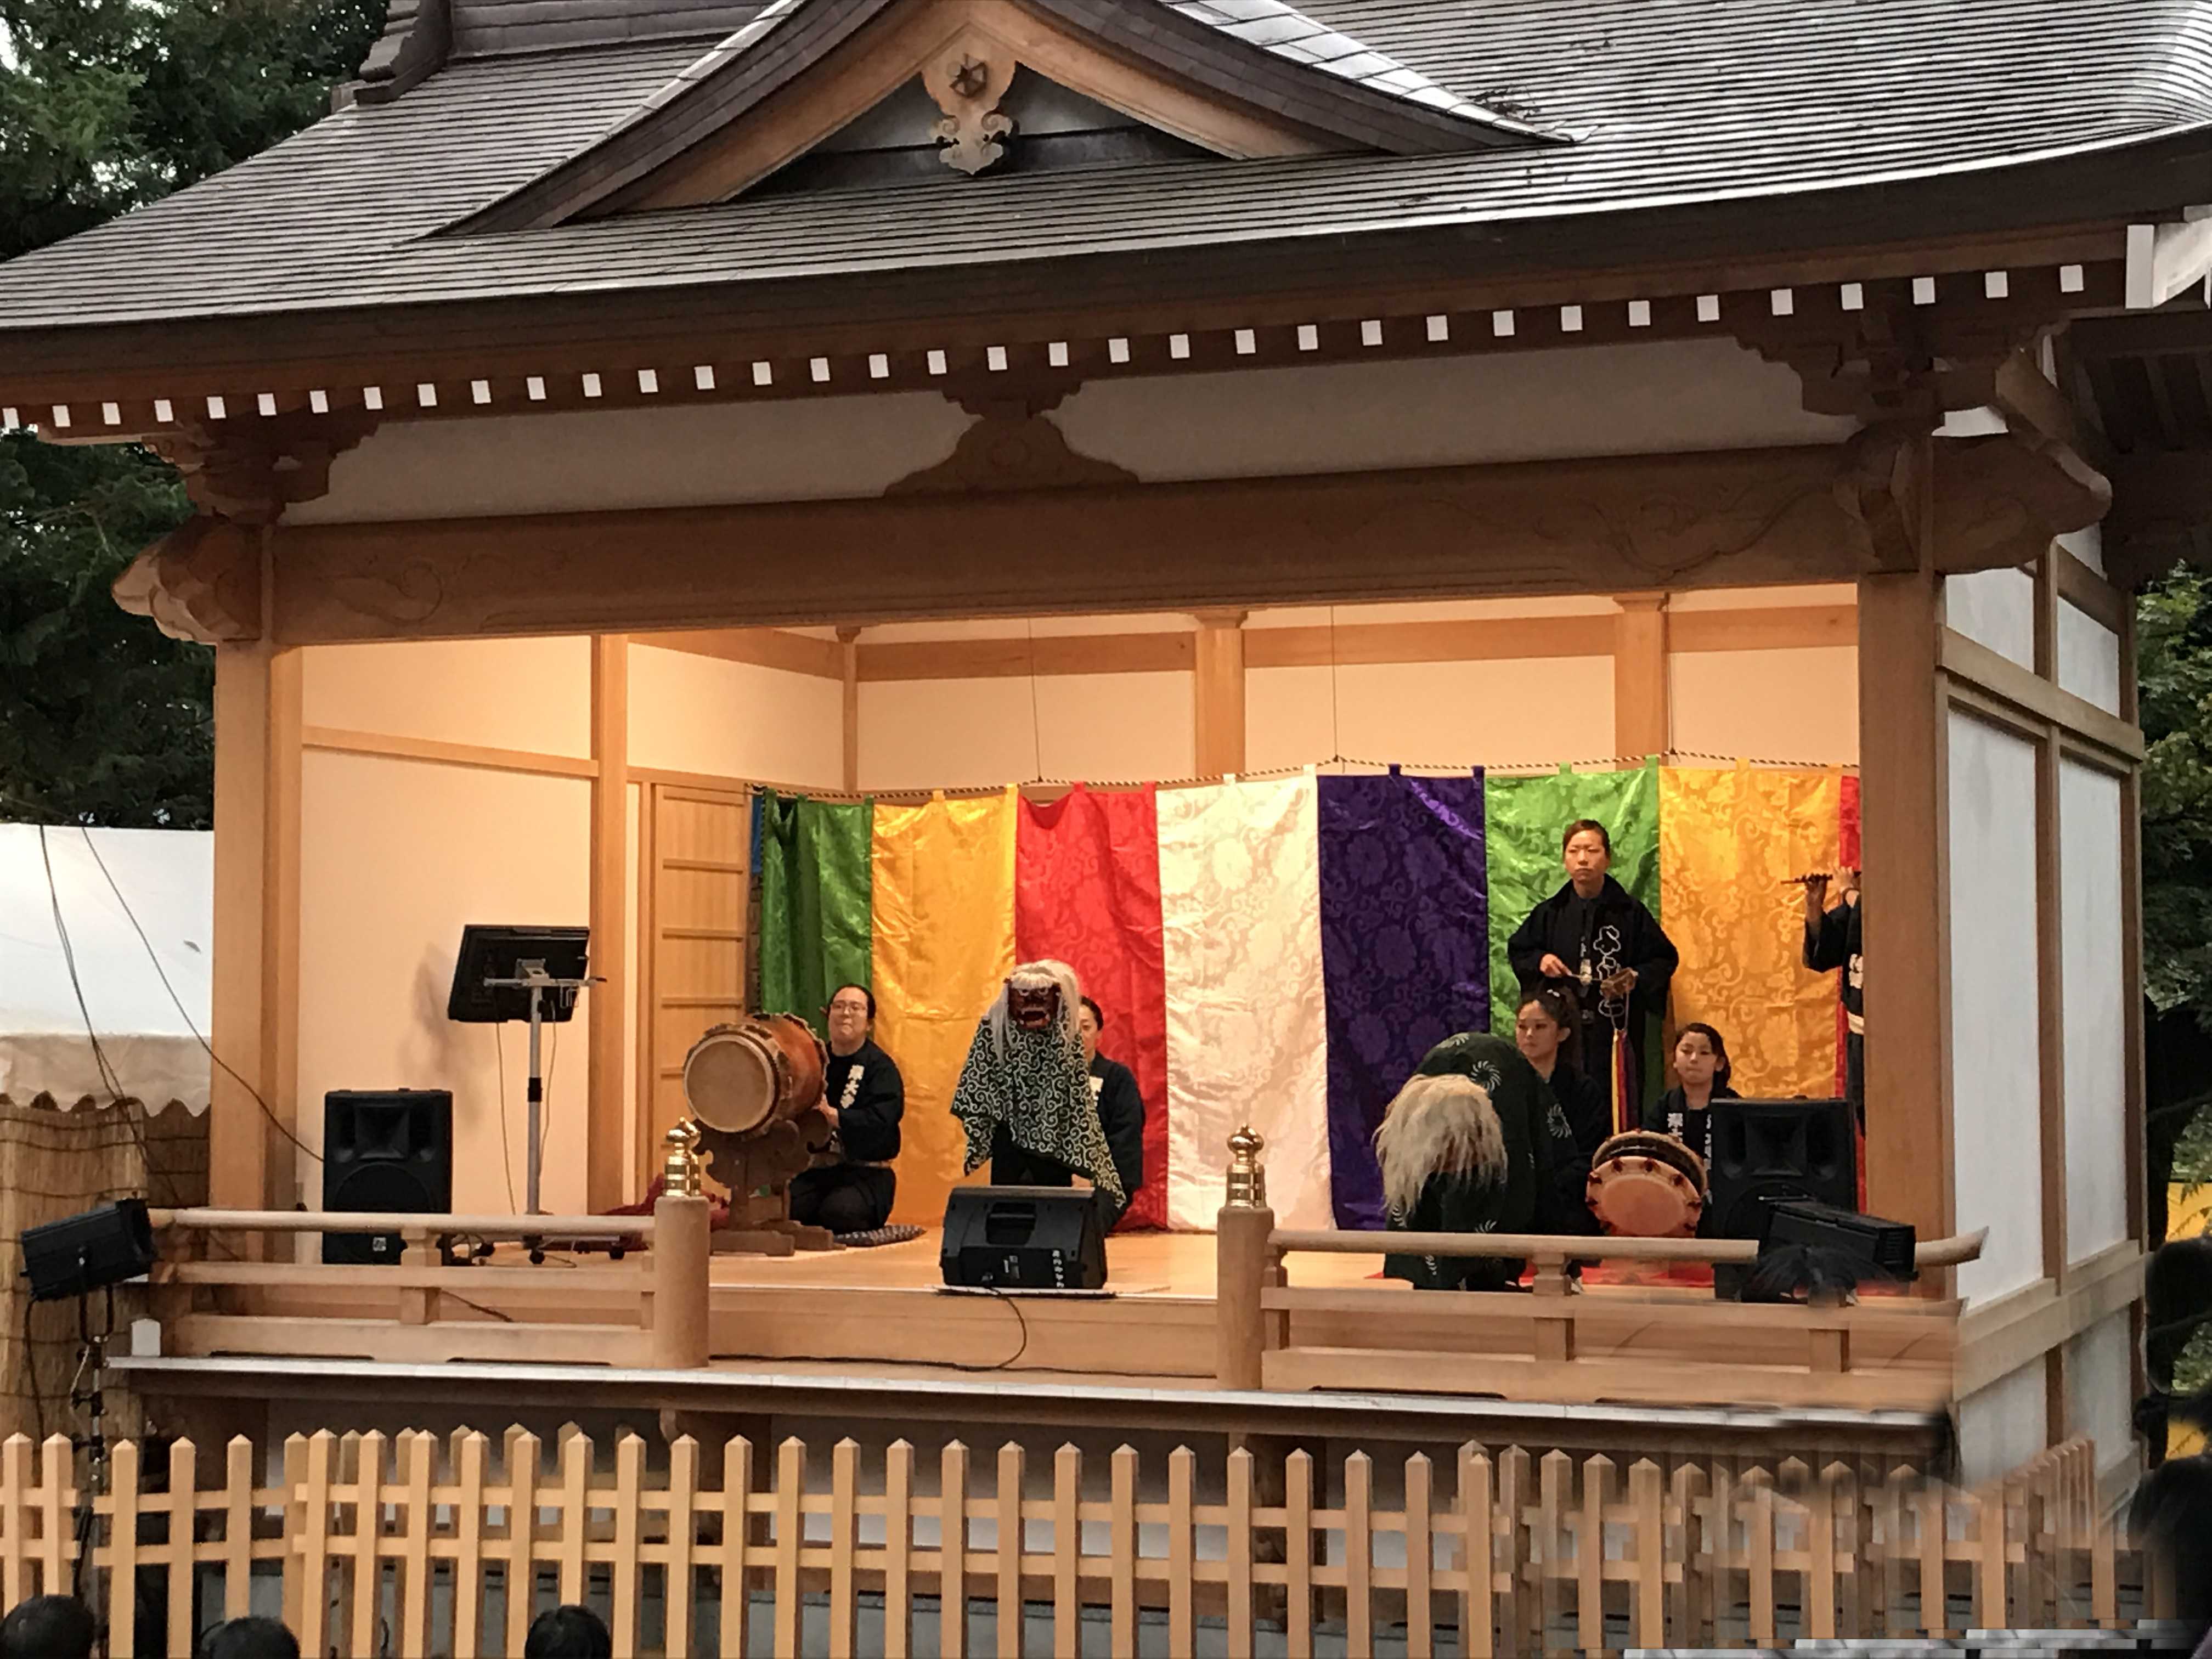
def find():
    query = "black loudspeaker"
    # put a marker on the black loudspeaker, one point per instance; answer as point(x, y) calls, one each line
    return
point(1881, 1249)
point(1024, 1239)
point(390, 1152)
point(89, 1252)
point(1769, 1150)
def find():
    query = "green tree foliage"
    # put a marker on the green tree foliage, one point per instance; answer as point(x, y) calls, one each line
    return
point(2173, 631)
point(105, 105)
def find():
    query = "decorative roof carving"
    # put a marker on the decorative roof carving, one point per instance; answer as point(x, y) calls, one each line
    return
point(1240, 77)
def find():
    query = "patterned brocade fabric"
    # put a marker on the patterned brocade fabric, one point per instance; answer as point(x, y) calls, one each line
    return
point(1038, 1088)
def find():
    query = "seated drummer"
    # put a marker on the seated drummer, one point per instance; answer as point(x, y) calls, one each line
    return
point(1120, 1115)
point(1701, 1071)
point(864, 1098)
point(1546, 1030)
point(1471, 1145)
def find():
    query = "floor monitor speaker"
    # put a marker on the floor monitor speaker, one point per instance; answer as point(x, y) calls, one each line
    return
point(1024, 1239)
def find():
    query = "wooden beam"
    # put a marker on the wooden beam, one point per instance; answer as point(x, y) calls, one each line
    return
point(1218, 693)
point(1723, 519)
point(764, 648)
point(252, 1117)
point(1482, 639)
point(2049, 952)
point(1905, 786)
point(603, 1169)
point(339, 741)
point(1016, 657)
point(849, 663)
point(2035, 698)
point(2084, 589)
point(1763, 628)
point(1642, 717)
point(1996, 1338)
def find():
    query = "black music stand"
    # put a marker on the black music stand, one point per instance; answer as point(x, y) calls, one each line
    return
point(503, 974)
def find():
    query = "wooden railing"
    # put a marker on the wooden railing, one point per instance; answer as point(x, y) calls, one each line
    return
point(1664, 1346)
point(669, 1284)
point(421, 1546)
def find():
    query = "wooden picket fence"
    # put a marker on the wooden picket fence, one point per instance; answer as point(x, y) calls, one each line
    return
point(412, 1545)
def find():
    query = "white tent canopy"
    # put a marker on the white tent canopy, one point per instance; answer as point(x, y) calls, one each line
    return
point(165, 880)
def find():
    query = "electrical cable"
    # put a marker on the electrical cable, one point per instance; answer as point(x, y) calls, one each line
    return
point(1020, 1318)
point(506, 1131)
point(281, 1127)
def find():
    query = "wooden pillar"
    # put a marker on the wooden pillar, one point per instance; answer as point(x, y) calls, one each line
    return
point(604, 1182)
point(254, 1019)
point(1643, 712)
point(1903, 760)
point(1218, 695)
point(850, 662)
point(681, 1252)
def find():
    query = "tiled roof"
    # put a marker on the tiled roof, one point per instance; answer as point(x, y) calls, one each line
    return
point(1284, 30)
point(1683, 102)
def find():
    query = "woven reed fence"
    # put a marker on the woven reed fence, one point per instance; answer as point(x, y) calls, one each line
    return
point(410, 1546)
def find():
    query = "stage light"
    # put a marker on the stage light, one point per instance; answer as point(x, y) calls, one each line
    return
point(89, 1252)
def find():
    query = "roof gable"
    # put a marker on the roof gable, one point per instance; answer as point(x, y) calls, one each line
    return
point(1241, 78)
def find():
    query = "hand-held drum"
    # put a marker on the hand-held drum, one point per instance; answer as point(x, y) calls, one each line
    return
point(1643, 1185)
point(765, 1069)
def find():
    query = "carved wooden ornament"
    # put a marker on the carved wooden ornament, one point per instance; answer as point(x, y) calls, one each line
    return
point(200, 582)
point(967, 80)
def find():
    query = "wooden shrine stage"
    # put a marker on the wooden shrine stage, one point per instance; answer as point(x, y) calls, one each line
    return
point(873, 1333)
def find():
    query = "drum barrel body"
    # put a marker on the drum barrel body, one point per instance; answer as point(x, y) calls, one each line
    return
point(742, 1077)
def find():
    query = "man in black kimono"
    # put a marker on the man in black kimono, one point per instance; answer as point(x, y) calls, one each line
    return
point(1593, 939)
point(864, 1097)
point(1836, 938)
point(1120, 1104)
point(1458, 1163)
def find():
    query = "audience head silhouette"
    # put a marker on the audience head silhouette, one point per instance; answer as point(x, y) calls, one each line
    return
point(47, 1627)
point(569, 1632)
point(250, 1638)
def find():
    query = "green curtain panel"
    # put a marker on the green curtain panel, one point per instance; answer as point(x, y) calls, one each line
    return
point(1523, 820)
point(815, 927)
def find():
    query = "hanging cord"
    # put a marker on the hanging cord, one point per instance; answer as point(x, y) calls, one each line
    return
point(506, 1129)
point(184, 1013)
point(1037, 723)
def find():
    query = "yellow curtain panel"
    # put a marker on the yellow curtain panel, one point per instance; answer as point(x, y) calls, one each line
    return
point(943, 901)
point(1729, 840)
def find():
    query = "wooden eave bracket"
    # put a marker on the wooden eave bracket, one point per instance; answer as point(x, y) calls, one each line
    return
point(2166, 259)
point(417, 38)
point(784, 69)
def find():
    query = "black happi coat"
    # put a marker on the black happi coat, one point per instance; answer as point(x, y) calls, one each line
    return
point(1566, 923)
point(1673, 1114)
point(1590, 1117)
point(1839, 940)
point(1121, 1116)
point(865, 1088)
point(1537, 1136)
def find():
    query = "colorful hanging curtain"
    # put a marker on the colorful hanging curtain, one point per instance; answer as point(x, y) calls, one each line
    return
point(944, 887)
point(1730, 841)
point(1240, 914)
point(1405, 954)
point(1848, 857)
point(1524, 821)
point(1087, 891)
point(815, 923)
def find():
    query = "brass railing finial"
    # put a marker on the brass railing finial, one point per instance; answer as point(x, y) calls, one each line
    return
point(1248, 1176)
point(679, 1169)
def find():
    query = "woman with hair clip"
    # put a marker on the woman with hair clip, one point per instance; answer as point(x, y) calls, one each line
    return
point(1545, 1029)
point(1701, 1070)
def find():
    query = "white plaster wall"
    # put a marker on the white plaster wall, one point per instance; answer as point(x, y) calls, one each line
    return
point(397, 855)
point(960, 733)
point(1666, 397)
point(1790, 705)
point(2089, 831)
point(1996, 608)
point(2088, 658)
point(2101, 1389)
point(1996, 1146)
point(734, 720)
point(1505, 711)
point(2003, 1426)
point(2086, 546)
point(533, 695)
point(805, 449)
